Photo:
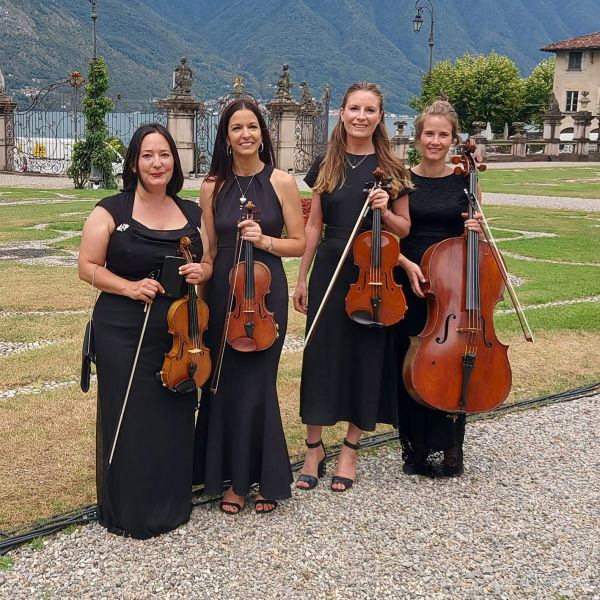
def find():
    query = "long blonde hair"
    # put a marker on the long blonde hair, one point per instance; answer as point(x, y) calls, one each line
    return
point(439, 108)
point(333, 166)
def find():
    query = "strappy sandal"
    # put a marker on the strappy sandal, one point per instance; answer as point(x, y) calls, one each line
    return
point(311, 480)
point(265, 502)
point(345, 481)
point(237, 506)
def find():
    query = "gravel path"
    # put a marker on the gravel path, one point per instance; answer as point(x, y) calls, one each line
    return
point(522, 522)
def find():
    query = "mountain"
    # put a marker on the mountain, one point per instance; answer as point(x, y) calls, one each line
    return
point(334, 41)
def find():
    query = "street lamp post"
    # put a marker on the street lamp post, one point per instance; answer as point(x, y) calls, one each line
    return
point(94, 17)
point(418, 22)
point(95, 171)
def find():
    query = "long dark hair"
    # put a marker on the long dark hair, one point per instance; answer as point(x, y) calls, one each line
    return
point(333, 165)
point(221, 163)
point(130, 177)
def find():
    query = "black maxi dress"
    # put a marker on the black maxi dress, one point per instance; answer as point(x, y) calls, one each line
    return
point(147, 490)
point(239, 434)
point(435, 205)
point(348, 370)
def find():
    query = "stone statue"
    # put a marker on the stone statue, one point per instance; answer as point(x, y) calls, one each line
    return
point(2, 85)
point(306, 96)
point(326, 94)
point(238, 86)
point(283, 85)
point(182, 79)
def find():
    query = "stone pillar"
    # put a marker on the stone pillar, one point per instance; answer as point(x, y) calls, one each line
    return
point(479, 138)
point(400, 143)
point(519, 141)
point(582, 120)
point(552, 119)
point(284, 111)
point(7, 129)
point(181, 111)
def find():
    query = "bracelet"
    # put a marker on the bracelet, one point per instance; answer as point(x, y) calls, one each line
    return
point(270, 247)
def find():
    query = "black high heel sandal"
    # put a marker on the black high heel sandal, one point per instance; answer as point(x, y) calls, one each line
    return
point(345, 481)
point(311, 480)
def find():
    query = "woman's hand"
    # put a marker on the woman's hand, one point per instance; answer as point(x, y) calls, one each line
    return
point(251, 232)
point(379, 198)
point(474, 224)
point(144, 290)
point(415, 276)
point(300, 298)
point(193, 272)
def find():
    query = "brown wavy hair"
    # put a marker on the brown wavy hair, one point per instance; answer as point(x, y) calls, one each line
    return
point(333, 167)
point(439, 108)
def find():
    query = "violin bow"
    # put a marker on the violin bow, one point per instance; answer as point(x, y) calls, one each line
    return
point(237, 253)
point(147, 310)
point(361, 217)
point(502, 268)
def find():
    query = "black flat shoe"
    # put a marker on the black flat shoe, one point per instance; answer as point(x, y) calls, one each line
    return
point(311, 480)
point(453, 462)
point(237, 506)
point(345, 481)
point(267, 506)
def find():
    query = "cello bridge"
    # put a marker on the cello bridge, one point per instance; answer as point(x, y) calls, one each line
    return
point(375, 283)
point(468, 330)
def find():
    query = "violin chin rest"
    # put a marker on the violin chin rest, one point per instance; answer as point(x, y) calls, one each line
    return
point(363, 317)
point(185, 387)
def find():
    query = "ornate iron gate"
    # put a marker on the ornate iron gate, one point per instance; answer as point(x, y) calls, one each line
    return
point(207, 121)
point(311, 129)
point(44, 133)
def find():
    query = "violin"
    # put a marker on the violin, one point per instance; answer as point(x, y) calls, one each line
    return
point(251, 326)
point(457, 363)
point(376, 300)
point(187, 365)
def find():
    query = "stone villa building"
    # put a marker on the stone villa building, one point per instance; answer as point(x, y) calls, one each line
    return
point(577, 80)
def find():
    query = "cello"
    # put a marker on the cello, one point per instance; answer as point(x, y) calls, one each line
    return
point(376, 300)
point(457, 364)
point(187, 365)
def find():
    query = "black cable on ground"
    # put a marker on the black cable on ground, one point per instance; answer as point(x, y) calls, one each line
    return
point(88, 514)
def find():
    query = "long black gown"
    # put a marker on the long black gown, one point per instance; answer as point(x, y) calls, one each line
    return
point(435, 205)
point(147, 490)
point(348, 371)
point(239, 435)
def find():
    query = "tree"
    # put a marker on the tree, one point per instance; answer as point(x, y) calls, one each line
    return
point(486, 88)
point(93, 151)
point(538, 87)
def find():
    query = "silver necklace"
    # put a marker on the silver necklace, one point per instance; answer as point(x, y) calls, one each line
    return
point(243, 194)
point(356, 164)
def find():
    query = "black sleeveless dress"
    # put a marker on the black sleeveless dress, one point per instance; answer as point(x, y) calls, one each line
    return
point(147, 490)
point(348, 371)
point(435, 207)
point(239, 435)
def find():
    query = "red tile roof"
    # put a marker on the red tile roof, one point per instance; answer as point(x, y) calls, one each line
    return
point(583, 42)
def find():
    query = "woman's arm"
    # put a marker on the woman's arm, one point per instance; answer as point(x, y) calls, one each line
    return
point(293, 245)
point(396, 219)
point(92, 257)
point(313, 230)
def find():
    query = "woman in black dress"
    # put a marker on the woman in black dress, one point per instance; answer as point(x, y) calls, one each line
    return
point(147, 489)
point(239, 435)
point(438, 206)
point(348, 371)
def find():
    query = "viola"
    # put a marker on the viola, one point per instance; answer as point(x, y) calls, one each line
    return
point(187, 365)
point(457, 364)
point(251, 326)
point(376, 300)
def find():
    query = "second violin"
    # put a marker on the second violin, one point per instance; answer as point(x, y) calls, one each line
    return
point(376, 300)
point(251, 325)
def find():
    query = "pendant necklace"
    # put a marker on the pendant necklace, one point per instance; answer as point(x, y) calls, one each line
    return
point(357, 164)
point(243, 194)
